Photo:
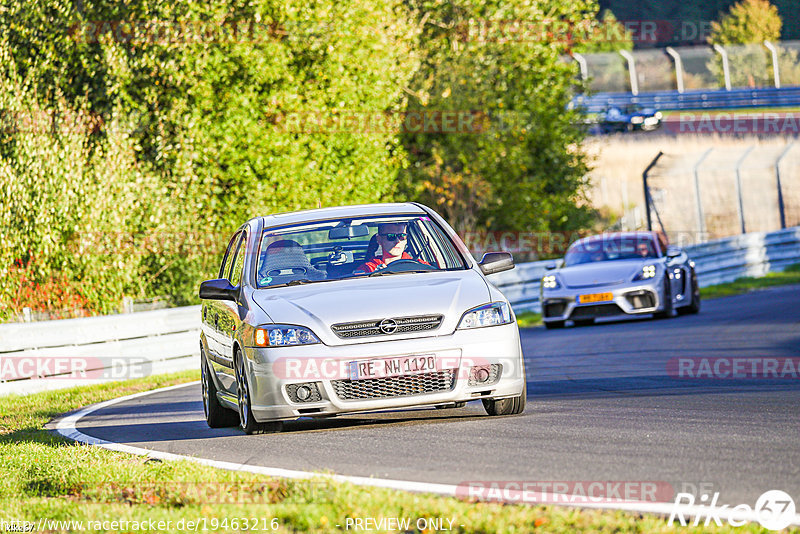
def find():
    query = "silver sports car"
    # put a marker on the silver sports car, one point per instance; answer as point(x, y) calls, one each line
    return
point(324, 312)
point(619, 273)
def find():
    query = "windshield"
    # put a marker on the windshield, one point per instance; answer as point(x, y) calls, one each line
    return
point(609, 249)
point(353, 248)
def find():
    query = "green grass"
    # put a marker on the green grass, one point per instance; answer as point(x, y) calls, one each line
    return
point(527, 319)
point(44, 476)
point(742, 285)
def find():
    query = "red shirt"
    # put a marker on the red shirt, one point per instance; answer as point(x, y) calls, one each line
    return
point(377, 263)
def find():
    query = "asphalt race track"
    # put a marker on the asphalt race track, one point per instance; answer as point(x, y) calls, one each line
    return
point(601, 406)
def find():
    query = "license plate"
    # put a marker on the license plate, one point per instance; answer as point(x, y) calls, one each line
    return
point(385, 367)
point(595, 297)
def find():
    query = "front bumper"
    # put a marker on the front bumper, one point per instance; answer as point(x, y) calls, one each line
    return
point(273, 369)
point(634, 298)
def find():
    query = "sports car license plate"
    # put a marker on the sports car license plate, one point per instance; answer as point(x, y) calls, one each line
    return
point(385, 367)
point(595, 297)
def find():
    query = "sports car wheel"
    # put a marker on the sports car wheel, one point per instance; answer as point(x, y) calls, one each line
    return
point(694, 306)
point(510, 406)
point(217, 416)
point(246, 420)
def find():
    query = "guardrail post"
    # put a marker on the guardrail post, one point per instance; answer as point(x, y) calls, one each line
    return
point(582, 65)
point(726, 69)
point(631, 70)
point(701, 221)
point(781, 208)
point(678, 67)
point(739, 187)
point(776, 71)
point(647, 199)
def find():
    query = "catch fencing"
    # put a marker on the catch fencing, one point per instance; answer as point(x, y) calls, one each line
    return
point(694, 68)
point(723, 191)
point(64, 353)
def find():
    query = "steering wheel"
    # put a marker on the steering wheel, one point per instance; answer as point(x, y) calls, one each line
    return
point(408, 265)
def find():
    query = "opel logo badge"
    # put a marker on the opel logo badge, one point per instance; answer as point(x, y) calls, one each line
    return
point(388, 326)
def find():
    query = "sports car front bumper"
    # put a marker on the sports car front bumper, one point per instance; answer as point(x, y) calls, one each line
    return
point(633, 298)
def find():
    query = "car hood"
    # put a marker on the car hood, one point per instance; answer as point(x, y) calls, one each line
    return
point(602, 273)
point(320, 305)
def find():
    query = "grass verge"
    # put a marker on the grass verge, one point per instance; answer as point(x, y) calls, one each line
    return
point(44, 477)
point(742, 285)
point(526, 319)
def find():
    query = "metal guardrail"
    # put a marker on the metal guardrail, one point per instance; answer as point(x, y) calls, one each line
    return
point(64, 353)
point(57, 354)
point(697, 99)
point(716, 262)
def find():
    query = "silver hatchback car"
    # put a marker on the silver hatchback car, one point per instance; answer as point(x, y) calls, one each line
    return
point(341, 310)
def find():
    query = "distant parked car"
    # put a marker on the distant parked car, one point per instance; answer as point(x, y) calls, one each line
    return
point(615, 274)
point(627, 119)
point(341, 310)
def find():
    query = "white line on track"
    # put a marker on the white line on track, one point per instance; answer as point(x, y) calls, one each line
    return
point(67, 427)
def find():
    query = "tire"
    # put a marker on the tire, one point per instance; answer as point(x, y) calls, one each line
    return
point(217, 416)
point(694, 307)
point(554, 324)
point(666, 313)
point(247, 422)
point(509, 406)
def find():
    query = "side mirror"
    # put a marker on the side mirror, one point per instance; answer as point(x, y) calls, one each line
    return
point(673, 252)
point(550, 265)
point(496, 262)
point(218, 289)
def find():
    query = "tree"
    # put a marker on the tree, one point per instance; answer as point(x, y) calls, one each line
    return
point(518, 166)
point(744, 29)
point(749, 21)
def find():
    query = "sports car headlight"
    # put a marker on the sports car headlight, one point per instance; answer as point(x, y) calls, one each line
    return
point(550, 282)
point(648, 271)
point(487, 315)
point(637, 120)
point(283, 336)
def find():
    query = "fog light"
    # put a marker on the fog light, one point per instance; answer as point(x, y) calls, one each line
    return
point(482, 375)
point(303, 393)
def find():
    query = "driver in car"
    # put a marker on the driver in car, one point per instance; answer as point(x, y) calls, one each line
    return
point(392, 240)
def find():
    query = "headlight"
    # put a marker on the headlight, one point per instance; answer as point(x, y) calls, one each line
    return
point(648, 271)
point(283, 336)
point(487, 315)
point(637, 120)
point(550, 282)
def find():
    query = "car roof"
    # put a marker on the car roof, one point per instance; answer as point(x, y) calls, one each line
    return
point(356, 211)
point(613, 235)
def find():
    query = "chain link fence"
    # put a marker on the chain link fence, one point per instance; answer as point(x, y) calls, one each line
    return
point(720, 192)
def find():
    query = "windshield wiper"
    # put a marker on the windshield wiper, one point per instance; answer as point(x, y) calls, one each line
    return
point(299, 282)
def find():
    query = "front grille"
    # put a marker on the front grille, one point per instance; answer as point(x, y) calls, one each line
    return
point(395, 386)
point(554, 309)
point(596, 310)
point(420, 323)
